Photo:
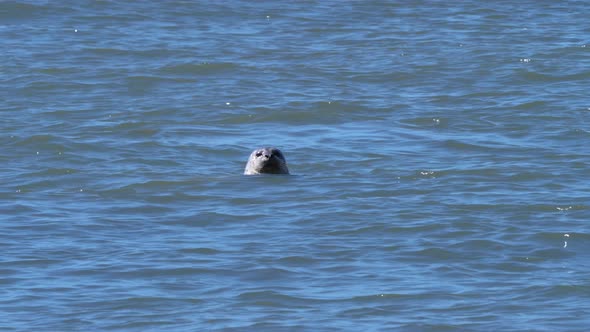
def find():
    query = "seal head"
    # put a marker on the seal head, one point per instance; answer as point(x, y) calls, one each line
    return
point(267, 160)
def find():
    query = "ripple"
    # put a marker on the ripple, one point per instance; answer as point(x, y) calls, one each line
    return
point(204, 68)
point(543, 77)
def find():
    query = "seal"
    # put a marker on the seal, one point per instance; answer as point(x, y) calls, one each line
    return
point(266, 160)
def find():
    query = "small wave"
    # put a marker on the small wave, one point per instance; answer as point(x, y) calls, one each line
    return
point(202, 68)
point(541, 77)
point(531, 105)
point(10, 10)
point(142, 81)
point(136, 129)
point(107, 51)
point(38, 87)
point(200, 250)
point(459, 145)
point(271, 298)
point(318, 113)
point(426, 122)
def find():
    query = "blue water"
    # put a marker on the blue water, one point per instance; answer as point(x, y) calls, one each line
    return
point(438, 150)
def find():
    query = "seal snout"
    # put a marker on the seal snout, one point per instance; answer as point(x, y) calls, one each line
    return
point(263, 153)
point(269, 153)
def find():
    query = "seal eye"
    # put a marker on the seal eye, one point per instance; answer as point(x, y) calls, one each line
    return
point(258, 153)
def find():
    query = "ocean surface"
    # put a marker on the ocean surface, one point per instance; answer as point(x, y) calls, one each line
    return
point(439, 151)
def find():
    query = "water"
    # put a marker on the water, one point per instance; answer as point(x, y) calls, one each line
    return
point(439, 154)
